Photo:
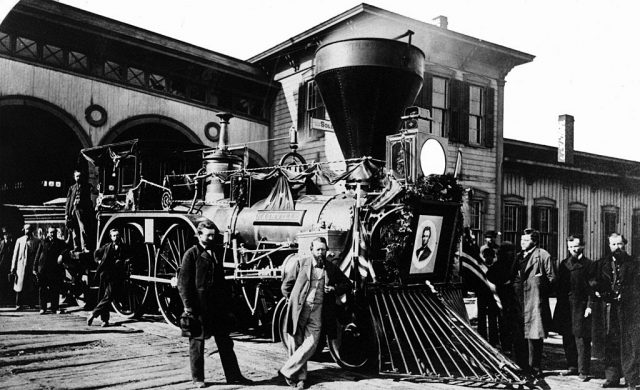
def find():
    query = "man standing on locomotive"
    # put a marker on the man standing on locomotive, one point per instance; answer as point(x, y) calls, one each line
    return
point(78, 211)
point(112, 258)
point(206, 298)
point(311, 289)
point(50, 272)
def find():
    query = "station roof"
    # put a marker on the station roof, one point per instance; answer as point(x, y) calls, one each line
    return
point(542, 160)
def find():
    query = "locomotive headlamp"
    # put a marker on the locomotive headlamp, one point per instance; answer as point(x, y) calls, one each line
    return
point(416, 118)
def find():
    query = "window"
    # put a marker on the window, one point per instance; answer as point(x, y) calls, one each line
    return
point(439, 106)
point(78, 61)
point(53, 55)
point(135, 77)
point(577, 212)
point(310, 99)
point(26, 48)
point(476, 218)
point(112, 71)
point(157, 82)
point(609, 224)
point(545, 220)
point(635, 233)
point(476, 108)
point(127, 173)
point(514, 219)
point(5, 42)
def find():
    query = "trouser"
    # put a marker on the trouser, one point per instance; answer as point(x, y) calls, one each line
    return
point(227, 357)
point(79, 228)
point(488, 315)
point(302, 344)
point(612, 364)
point(49, 291)
point(535, 356)
point(630, 348)
point(570, 350)
point(583, 347)
point(103, 307)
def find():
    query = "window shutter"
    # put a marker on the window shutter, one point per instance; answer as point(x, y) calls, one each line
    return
point(522, 223)
point(554, 220)
point(302, 106)
point(489, 117)
point(535, 218)
point(459, 129)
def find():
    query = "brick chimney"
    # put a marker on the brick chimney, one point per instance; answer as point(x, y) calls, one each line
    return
point(565, 139)
point(441, 21)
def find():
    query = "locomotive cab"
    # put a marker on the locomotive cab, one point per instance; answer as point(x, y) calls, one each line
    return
point(131, 174)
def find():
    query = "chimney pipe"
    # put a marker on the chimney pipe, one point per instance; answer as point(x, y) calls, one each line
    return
point(441, 21)
point(565, 139)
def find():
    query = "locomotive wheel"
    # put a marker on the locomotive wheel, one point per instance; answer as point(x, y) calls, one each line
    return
point(173, 245)
point(351, 348)
point(130, 294)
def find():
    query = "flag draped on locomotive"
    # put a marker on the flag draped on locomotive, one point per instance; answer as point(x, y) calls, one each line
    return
point(390, 232)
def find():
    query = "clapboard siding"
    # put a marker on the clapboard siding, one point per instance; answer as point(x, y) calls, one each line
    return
point(564, 194)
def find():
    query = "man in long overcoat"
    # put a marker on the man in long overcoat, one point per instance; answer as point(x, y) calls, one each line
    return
point(534, 278)
point(79, 211)
point(50, 271)
point(616, 279)
point(206, 297)
point(572, 316)
point(311, 289)
point(112, 258)
point(24, 255)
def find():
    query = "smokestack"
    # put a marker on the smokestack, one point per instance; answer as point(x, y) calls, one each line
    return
point(565, 139)
point(441, 21)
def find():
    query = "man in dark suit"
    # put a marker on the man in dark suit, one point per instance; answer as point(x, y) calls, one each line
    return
point(79, 211)
point(616, 279)
point(424, 252)
point(6, 254)
point(205, 296)
point(112, 259)
point(49, 271)
point(572, 315)
point(311, 289)
point(534, 278)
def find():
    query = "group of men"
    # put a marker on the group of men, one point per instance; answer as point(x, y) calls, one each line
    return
point(593, 297)
point(311, 288)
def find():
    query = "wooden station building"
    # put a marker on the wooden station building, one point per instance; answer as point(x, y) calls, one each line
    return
point(72, 79)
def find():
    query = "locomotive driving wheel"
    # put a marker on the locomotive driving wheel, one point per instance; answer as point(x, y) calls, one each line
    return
point(174, 243)
point(130, 293)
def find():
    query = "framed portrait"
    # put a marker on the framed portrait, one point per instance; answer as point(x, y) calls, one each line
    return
point(425, 246)
point(429, 254)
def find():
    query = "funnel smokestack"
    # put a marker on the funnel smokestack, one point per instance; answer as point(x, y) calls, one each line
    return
point(365, 85)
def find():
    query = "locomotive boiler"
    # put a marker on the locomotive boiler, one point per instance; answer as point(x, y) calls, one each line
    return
point(405, 316)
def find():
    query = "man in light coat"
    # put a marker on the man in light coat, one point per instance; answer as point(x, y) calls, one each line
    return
point(24, 255)
point(534, 277)
point(311, 289)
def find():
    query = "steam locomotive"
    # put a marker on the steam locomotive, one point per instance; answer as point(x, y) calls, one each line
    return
point(404, 316)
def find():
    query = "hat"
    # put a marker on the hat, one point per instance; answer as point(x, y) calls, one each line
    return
point(490, 234)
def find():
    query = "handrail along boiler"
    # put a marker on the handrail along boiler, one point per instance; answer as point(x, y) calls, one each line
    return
point(268, 216)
